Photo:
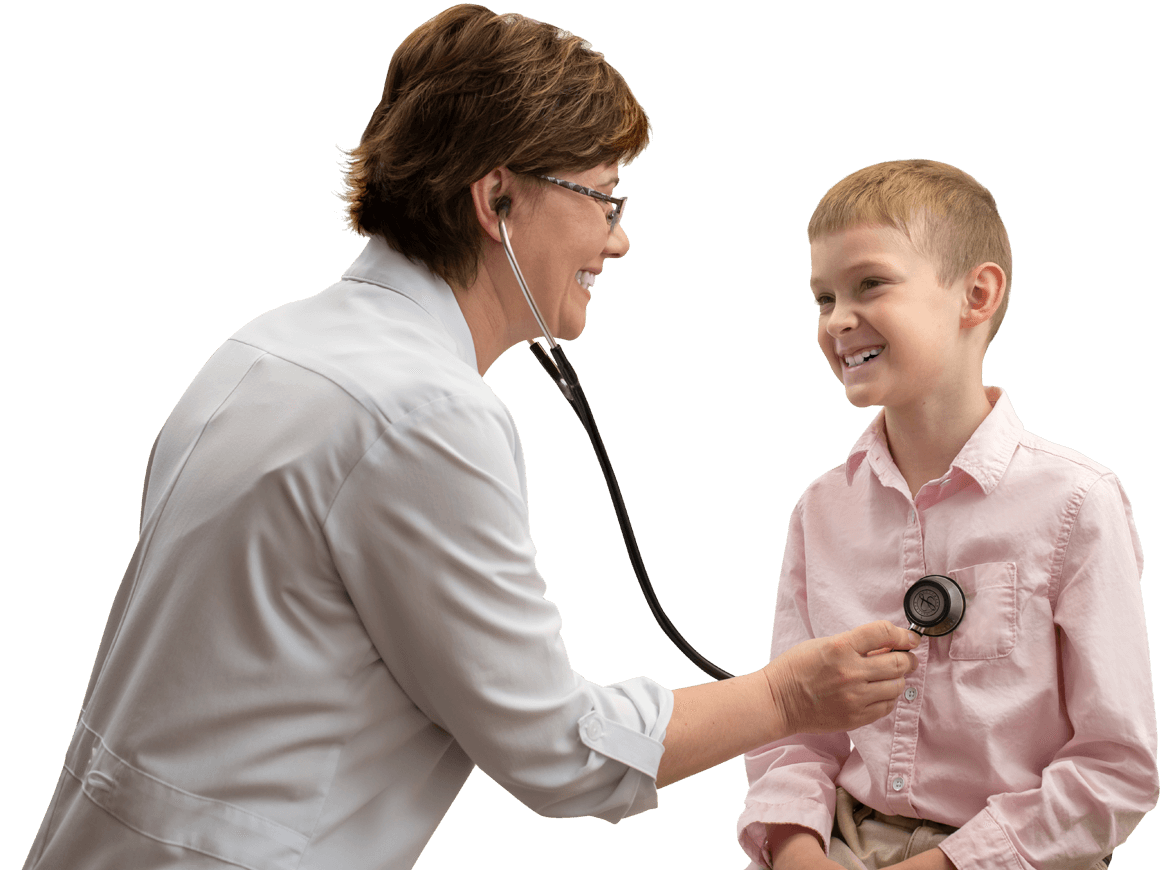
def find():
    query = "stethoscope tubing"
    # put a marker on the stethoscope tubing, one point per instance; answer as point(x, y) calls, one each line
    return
point(560, 370)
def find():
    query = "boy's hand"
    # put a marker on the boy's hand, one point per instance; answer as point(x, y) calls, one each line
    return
point(934, 859)
point(796, 848)
point(843, 682)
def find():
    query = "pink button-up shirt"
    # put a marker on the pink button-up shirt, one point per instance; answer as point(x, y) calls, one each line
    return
point(1031, 727)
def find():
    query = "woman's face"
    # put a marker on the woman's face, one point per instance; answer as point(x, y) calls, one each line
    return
point(562, 240)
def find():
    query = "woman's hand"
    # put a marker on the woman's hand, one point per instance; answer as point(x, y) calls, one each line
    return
point(827, 684)
point(842, 682)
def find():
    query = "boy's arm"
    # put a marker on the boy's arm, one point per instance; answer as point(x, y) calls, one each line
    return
point(791, 781)
point(1103, 780)
point(934, 859)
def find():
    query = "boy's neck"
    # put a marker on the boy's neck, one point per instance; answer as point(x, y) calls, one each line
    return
point(925, 440)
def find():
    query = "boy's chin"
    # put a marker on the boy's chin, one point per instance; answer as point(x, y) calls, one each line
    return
point(860, 398)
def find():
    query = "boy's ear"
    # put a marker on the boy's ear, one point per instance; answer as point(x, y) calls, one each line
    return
point(984, 288)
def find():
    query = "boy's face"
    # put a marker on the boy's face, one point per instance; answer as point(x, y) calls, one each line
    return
point(890, 331)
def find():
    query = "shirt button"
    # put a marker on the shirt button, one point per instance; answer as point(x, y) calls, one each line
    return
point(594, 729)
point(898, 783)
point(910, 694)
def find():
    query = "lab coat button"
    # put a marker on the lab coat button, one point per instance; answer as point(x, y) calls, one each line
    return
point(898, 783)
point(99, 782)
point(594, 729)
point(910, 694)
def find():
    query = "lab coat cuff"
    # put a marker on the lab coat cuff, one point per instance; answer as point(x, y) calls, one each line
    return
point(621, 743)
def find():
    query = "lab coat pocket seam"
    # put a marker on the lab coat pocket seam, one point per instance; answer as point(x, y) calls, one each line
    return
point(169, 814)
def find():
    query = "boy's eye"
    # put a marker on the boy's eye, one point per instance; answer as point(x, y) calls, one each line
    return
point(866, 284)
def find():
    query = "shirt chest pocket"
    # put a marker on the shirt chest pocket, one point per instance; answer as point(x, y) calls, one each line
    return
point(989, 628)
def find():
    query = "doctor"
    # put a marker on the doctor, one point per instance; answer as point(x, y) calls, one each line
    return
point(333, 611)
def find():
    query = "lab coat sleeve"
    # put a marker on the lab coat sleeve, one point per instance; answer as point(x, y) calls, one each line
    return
point(430, 535)
point(1104, 779)
point(791, 781)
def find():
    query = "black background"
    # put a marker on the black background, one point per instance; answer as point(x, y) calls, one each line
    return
point(191, 190)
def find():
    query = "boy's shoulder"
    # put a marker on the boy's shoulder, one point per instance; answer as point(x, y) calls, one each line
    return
point(1060, 455)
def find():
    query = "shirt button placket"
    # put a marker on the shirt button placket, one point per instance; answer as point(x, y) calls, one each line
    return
point(906, 720)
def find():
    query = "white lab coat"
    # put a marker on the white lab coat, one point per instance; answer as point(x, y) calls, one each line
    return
point(333, 612)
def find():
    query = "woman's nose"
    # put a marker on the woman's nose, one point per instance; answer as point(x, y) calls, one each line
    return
point(617, 243)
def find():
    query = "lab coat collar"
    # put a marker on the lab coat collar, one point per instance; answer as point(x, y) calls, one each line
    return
point(984, 458)
point(383, 266)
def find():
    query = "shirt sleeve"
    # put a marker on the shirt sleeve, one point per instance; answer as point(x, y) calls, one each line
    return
point(791, 781)
point(430, 535)
point(1104, 779)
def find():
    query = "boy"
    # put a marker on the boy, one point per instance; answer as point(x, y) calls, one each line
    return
point(1027, 737)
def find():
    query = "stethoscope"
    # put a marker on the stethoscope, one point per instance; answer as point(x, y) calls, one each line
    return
point(934, 604)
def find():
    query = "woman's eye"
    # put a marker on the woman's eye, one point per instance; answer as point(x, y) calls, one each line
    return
point(824, 300)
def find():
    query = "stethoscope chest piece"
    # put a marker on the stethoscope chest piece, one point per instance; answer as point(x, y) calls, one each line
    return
point(934, 605)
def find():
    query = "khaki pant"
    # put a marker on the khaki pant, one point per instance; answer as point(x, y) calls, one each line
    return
point(863, 839)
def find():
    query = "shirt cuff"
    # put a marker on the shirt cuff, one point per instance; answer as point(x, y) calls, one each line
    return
point(807, 814)
point(981, 843)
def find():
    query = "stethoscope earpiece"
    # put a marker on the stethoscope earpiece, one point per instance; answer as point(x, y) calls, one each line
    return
point(934, 605)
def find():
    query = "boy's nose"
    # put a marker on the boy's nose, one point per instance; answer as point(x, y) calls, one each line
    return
point(842, 320)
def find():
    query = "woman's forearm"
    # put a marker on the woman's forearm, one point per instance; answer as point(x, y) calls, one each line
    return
point(714, 722)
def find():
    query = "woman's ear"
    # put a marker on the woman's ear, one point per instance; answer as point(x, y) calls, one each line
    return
point(491, 197)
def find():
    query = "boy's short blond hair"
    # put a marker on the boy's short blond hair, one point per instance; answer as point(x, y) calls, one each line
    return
point(945, 213)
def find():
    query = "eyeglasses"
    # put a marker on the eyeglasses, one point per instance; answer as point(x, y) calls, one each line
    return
point(613, 216)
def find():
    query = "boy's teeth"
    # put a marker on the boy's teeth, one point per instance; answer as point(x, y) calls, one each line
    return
point(855, 359)
point(585, 278)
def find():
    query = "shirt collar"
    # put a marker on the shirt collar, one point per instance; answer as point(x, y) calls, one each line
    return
point(984, 457)
point(383, 266)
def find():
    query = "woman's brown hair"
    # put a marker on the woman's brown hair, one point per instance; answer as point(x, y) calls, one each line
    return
point(470, 91)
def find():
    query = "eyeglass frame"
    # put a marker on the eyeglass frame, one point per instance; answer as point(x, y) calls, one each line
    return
point(618, 201)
